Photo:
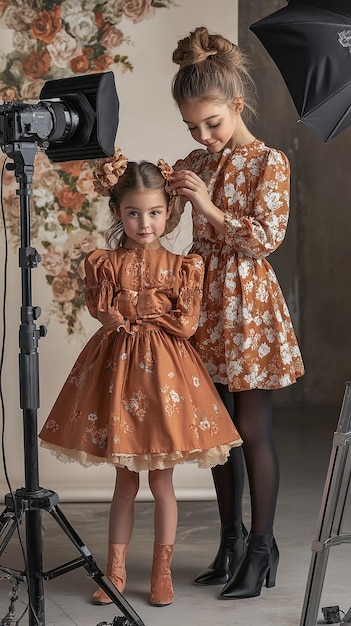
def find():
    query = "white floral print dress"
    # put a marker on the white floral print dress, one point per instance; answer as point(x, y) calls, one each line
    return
point(245, 335)
point(138, 395)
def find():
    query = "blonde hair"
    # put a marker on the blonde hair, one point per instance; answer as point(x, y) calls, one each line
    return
point(211, 68)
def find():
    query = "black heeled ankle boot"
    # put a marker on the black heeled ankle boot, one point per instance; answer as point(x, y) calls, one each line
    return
point(228, 557)
point(260, 562)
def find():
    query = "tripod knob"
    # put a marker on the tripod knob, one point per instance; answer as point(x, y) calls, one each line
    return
point(43, 331)
point(36, 312)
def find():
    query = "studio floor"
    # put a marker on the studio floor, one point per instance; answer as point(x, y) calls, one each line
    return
point(305, 441)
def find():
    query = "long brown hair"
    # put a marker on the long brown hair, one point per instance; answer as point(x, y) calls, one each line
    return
point(211, 68)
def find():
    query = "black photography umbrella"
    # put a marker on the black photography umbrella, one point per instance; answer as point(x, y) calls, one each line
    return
point(310, 42)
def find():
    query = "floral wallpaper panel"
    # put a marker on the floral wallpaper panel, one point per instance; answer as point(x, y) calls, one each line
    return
point(53, 39)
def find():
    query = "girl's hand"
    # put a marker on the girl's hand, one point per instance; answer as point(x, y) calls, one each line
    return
point(187, 184)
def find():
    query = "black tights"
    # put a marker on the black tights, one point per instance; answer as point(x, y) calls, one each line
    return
point(251, 412)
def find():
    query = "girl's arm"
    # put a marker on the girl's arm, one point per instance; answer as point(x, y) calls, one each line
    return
point(100, 289)
point(262, 229)
point(182, 321)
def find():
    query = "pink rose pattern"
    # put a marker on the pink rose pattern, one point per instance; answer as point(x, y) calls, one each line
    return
point(53, 39)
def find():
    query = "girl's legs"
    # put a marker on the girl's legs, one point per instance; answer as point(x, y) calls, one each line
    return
point(121, 523)
point(229, 483)
point(121, 520)
point(251, 412)
point(165, 528)
point(229, 478)
point(166, 508)
point(253, 419)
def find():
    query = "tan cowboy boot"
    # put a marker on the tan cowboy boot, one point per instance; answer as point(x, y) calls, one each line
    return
point(116, 571)
point(161, 579)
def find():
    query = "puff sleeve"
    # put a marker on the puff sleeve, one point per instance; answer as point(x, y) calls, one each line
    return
point(101, 288)
point(182, 321)
point(261, 229)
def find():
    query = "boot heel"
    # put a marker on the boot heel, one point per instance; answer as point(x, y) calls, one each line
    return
point(259, 565)
point(272, 572)
point(270, 578)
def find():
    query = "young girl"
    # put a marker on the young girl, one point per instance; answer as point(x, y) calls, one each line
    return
point(138, 396)
point(239, 191)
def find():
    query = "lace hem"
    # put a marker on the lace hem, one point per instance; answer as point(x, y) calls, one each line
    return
point(138, 462)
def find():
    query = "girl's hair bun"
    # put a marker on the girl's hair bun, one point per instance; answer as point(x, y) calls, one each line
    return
point(199, 45)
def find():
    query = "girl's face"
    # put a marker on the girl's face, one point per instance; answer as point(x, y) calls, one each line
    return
point(216, 126)
point(144, 215)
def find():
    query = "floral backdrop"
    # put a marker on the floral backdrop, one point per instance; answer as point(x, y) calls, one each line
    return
point(53, 39)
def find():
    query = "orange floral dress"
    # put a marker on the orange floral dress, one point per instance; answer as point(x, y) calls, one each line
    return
point(245, 335)
point(138, 395)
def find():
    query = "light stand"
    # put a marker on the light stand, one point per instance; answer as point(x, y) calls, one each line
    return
point(32, 499)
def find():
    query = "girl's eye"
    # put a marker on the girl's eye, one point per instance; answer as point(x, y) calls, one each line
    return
point(133, 214)
point(193, 129)
point(155, 213)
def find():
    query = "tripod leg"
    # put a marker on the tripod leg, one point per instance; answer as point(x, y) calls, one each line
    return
point(35, 565)
point(347, 618)
point(334, 497)
point(91, 566)
point(331, 513)
point(12, 518)
point(7, 518)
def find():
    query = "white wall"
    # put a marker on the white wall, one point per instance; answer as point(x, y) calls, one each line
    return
point(150, 127)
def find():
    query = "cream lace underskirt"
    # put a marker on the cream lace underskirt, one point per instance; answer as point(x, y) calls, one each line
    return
point(136, 463)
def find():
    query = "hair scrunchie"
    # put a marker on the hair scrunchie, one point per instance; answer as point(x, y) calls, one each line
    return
point(107, 172)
